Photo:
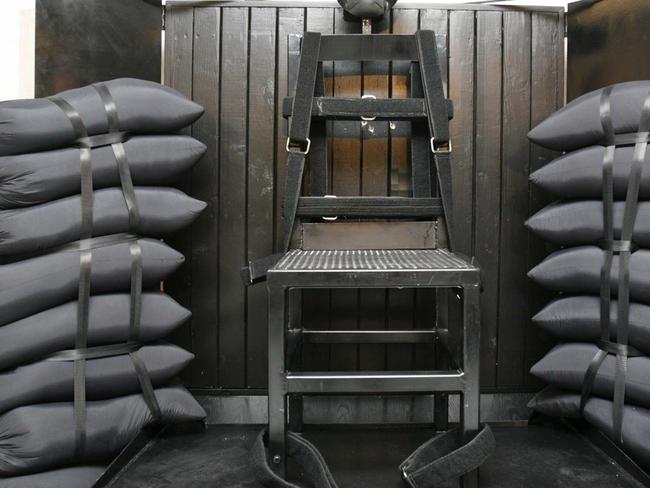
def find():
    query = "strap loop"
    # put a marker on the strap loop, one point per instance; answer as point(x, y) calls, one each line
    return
point(298, 147)
point(618, 246)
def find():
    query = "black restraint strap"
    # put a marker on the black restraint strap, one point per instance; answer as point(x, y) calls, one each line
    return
point(298, 142)
point(444, 458)
point(437, 116)
point(298, 145)
point(623, 247)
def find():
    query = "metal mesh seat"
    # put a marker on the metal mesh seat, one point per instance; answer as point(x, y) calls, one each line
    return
point(375, 260)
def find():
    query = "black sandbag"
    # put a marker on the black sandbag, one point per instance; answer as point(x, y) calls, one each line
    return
point(44, 333)
point(40, 437)
point(565, 366)
point(577, 270)
point(578, 123)
point(75, 477)
point(35, 178)
point(579, 174)
point(581, 222)
point(36, 284)
point(599, 413)
point(577, 318)
point(143, 107)
point(53, 381)
point(32, 229)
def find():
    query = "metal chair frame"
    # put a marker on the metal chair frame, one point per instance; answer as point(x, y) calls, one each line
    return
point(391, 268)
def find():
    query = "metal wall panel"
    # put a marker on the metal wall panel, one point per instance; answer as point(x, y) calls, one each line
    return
point(84, 41)
point(504, 71)
point(608, 42)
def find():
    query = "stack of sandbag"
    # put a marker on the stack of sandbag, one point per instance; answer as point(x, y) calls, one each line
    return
point(85, 198)
point(601, 370)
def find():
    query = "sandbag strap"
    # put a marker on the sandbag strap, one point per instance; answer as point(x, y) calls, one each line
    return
point(96, 352)
point(623, 247)
point(616, 348)
point(618, 246)
point(126, 181)
point(146, 386)
point(443, 458)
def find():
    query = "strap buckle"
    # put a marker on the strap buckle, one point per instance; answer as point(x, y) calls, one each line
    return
point(297, 148)
point(368, 119)
point(440, 149)
point(329, 218)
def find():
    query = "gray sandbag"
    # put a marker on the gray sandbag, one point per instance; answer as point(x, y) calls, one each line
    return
point(581, 222)
point(579, 174)
point(599, 413)
point(565, 366)
point(33, 229)
point(578, 123)
point(554, 402)
point(577, 318)
point(41, 437)
point(74, 477)
point(143, 107)
point(47, 332)
point(35, 178)
point(577, 270)
point(53, 381)
point(36, 284)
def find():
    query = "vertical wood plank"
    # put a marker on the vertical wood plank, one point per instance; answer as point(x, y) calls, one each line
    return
point(546, 83)
point(438, 21)
point(205, 186)
point(346, 180)
point(316, 303)
point(374, 178)
point(232, 182)
point(401, 303)
point(461, 91)
point(178, 75)
point(488, 181)
point(261, 162)
point(513, 307)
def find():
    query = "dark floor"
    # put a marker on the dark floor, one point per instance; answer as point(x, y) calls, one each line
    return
point(550, 456)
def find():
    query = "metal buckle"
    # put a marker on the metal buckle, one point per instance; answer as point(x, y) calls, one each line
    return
point(440, 150)
point(368, 119)
point(291, 149)
point(329, 218)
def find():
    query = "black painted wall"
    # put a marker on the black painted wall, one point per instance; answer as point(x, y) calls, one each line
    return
point(504, 70)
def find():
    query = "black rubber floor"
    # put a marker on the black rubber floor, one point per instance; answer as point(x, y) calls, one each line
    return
point(528, 457)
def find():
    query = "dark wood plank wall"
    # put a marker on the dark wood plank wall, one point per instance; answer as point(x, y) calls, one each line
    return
point(504, 71)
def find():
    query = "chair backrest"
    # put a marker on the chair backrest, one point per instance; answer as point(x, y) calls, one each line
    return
point(420, 220)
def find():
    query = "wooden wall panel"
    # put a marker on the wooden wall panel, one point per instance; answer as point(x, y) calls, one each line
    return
point(504, 71)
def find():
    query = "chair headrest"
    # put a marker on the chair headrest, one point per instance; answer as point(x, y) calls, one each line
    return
point(367, 8)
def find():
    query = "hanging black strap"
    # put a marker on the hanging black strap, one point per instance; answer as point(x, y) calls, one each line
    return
point(298, 143)
point(623, 248)
point(444, 458)
point(298, 146)
point(437, 115)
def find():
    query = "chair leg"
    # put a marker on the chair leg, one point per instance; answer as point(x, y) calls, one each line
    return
point(441, 399)
point(277, 380)
point(471, 351)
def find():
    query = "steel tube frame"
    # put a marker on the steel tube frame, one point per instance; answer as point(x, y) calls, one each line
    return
point(281, 382)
